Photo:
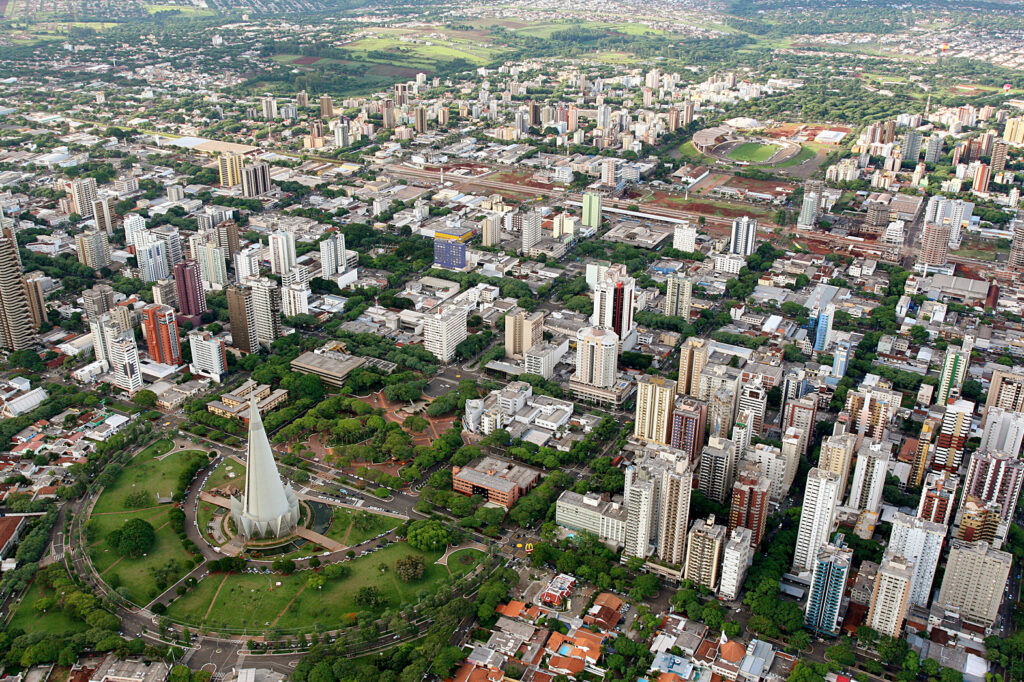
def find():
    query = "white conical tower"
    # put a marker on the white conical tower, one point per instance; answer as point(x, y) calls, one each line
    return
point(268, 508)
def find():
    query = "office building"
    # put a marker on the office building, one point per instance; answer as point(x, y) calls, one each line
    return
point(82, 193)
point(282, 251)
point(654, 404)
point(256, 180)
point(951, 378)
point(36, 297)
point(921, 540)
point(743, 239)
point(821, 497)
point(937, 497)
point(333, 256)
point(891, 596)
point(592, 210)
point(954, 431)
point(841, 359)
point(689, 418)
point(614, 301)
point(717, 469)
point(160, 328)
point(16, 330)
point(678, 295)
point(831, 571)
point(443, 331)
point(737, 555)
point(209, 357)
point(704, 553)
point(693, 356)
point(823, 327)
point(449, 253)
point(266, 306)
point(869, 477)
point(523, 331)
point(974, 581)
point(230, 169)
point(751, 494)
point(597, 353)
point(242, 317)
point(93, 249)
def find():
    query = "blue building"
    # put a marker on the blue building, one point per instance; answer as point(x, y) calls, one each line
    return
point(828, 582)
point(449, 253)
point(823, 327)
point(841, 359)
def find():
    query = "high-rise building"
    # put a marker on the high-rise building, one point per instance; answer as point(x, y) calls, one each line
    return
point(689, 418)
point(151, 256)
point(103, 214)
point(684, 238)
point(282, 251)
point(1003, 431)
point(592, 210)
point(211, 259)
point(1016, 259)
point(93, 249)
point(837, 455)
point(828, 584)
point(891, 596)
point(953, 434)
point(933, 151)
point(693, 355)
point(934, 254)
point(751, 494)
point(872, 408)
point(266, 306)
point(937, 497)
point(242, 317)
point(951, 378)
point(1006, 389)
point(82, 192)
point(869, 477)
point(737, 556)
point(523, 331)
point(443, 331)
point(678, 292)
point(673, 500)
point(597, 352)
point(922, 540)
point(743, 240)
point(717, 469)
point(704, 552)
point(268, 104)
point(256, 180)
point(449, 253)
point(753, 399)
point(326, 107)
point(420, 119)
point(773, 465)
point(161, 331)
point(974, 580)
point(614, 301)
point(978, 520)
point(823, 327)
point(923, 451)
point(295, 299)
point(35, 296)
point(803, 414)
point(641, 525)
point(134, 226)
point(123, 359)
point(491, 230)
point(531, 231)
point(188, 289)
point(333, 256)
point(996, 477)
point(227, 238)
point(655, 400)
point(209, 358)
point(16, 330)
point(982, 178)
point(230, 169)
point(97, 300)
point(721, 411)
point(164, 294)
point(821, 497)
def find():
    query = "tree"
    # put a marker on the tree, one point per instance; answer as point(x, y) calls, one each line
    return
point(133, 539)
point(410, 568)
point(428, 536)
point(145, 398)
point(371, 597)
point(285, 566)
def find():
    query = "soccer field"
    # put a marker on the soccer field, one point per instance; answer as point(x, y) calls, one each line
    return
point(753, 152)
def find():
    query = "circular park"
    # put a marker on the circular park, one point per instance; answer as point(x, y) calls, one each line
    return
point(175, 537)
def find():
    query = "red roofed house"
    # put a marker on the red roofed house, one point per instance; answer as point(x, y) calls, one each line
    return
point(558, 590)
point(10, 531)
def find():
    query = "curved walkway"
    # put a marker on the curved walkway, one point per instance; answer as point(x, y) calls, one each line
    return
point(465, 545)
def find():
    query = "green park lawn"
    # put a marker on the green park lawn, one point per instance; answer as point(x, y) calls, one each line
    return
point(135, 574)
point(53, 622)
point(463, 561)
point(753, 152)
point(247, 600)
point(222, 475)
point(144, 472)
point(366, 526)
point(688, 152)
point(806, 154)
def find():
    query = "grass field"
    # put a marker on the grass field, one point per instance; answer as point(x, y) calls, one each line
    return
point(190, 10)
point(54, 622)
point(463, 561)
point(687, 152)
point(366, 525)
point(753, 152)
point(806, 154)
point(978, 254)
point(144, 472)
point(257, 602)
